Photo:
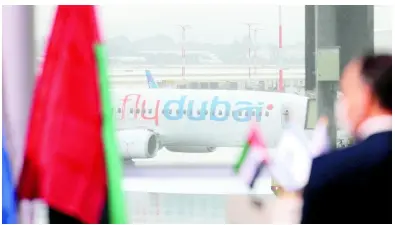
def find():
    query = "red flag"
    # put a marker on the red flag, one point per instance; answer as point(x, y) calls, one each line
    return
point(64, 160)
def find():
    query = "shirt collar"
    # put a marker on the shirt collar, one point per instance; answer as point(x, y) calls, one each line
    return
point(375, 125)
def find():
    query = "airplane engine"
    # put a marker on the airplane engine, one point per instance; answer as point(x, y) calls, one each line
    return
point(191, 149)
point(137, 144)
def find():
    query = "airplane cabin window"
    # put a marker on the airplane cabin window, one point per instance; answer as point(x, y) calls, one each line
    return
point(119, 110)
point(198, 112)
point(253, 113)
point(177, 112)
point(143, 111)
point(220, 112)
point(149, 111)
point(185, 111)
point(131, 110)
point(137, 111)
point(170, 111)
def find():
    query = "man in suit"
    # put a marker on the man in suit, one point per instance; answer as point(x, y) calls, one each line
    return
point(354, 184)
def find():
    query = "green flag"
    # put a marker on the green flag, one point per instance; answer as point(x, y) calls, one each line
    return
point(116, 198)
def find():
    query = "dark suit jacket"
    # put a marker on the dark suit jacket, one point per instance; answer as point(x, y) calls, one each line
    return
point(352, 185)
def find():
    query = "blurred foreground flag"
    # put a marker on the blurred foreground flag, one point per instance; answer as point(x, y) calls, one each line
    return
point(290, 164)
point(9, 210)
point(320, 143)
point(253, 157)
point(71, 135)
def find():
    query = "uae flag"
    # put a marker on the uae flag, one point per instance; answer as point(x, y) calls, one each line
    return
point(71, 159)
point(253, 157)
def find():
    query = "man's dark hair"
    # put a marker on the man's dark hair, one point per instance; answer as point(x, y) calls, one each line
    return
point(377, 72)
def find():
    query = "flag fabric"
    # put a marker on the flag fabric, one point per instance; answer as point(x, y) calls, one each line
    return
point(253, 157)
point(9, 210)
point(293, 157)
point(290, 163)
point(18, 79)
point(17, 89)
point(320, 142)
point(70, 140)
point(113, 162)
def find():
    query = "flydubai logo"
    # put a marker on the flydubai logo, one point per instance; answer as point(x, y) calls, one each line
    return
point(214, 109)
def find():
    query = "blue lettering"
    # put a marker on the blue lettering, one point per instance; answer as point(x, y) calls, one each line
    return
point(201, 112)
point(167, 109)
point(215, 102)
point(258, 112)
point(243, 114)
point(243, 111)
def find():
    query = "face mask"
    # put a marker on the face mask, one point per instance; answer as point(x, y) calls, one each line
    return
point(346, 123)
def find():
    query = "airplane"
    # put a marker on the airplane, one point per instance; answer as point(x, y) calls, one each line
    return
point(150, 80)
point(342, 139)
point(199, 121)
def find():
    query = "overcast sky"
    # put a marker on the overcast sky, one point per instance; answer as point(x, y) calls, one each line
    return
point(209, 22)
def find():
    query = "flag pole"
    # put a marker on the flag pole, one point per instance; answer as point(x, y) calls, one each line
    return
point(18, 81)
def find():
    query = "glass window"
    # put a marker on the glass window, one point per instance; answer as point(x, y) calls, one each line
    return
point(206, 46)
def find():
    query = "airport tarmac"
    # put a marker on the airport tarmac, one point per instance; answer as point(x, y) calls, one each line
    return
point(190, 188)
point(198, 201)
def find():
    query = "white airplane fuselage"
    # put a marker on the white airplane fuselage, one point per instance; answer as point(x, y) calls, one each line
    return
point(215, 118)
